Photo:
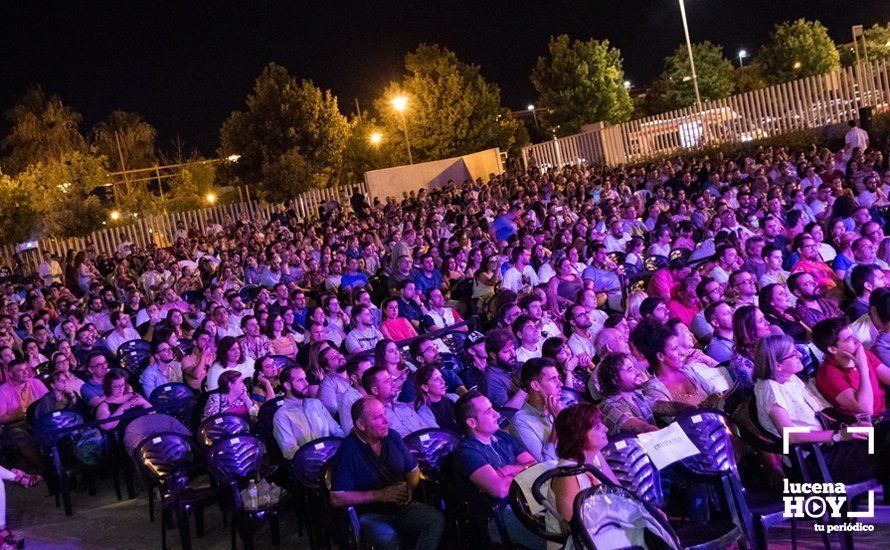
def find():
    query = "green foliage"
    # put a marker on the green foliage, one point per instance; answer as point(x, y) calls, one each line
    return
point(60, 192)
point(675, 89)
point(135, 137)
point(361, 155)
point(452, 110)
point(877, 42)
point(285, 120)
point(748, 79)
point(288, 176)
point(581, 83)
point(797, 49)
point(189, 189)
point(18, 219)
point(42, 129)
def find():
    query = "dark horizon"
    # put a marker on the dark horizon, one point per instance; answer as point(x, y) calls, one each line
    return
point(185, 68)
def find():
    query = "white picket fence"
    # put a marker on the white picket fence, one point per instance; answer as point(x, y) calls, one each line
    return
point(812, 102)
point(159, 229)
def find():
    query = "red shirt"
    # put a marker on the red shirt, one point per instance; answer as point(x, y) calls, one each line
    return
point(832, 379)
point(682, 312)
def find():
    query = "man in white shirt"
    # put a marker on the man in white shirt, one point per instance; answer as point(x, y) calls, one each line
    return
point(855, 138)
point(528, 334)
point(300, 419)
point(520, 276)
point(49, 270)
point(581, 340)
point(123, 331)
point(616, 240)
point(365, 335)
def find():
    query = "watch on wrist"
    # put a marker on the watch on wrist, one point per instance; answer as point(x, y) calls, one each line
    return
point(836, 437)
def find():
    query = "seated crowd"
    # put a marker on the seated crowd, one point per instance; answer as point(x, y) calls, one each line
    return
point(644, 291)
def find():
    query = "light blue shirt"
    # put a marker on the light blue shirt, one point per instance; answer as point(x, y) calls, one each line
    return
point(152, 377)
point(298, 422)
point(532, 427)
point(404, 419)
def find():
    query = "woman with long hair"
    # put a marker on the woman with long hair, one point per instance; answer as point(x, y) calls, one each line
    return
point(431, 401)
point(775, 305)
point(580, 440)
point(563, 288)
point(281, 339)
point(394, 326)
point(229, 356)
point(748, 326)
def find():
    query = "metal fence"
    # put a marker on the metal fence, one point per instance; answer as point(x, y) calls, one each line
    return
point(811, 102)
point(159, 229)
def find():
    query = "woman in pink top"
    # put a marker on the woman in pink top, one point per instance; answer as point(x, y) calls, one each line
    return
point(394, 327)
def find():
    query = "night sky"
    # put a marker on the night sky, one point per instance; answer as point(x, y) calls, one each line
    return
point(184, 66)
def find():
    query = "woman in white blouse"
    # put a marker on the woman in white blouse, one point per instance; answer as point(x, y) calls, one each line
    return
point(784, 401)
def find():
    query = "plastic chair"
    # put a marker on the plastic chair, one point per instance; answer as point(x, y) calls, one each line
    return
point(430, 447)
point(165, 458)
point(175, 399)
point(265, 417)
point(570, 396)
point(134, 356)
point(49, 436)
point(633, 468)
point(221, 426)
point(248, 293)
point(282, 361)
point(233, 461)
point(591, 503)
point(307, 470)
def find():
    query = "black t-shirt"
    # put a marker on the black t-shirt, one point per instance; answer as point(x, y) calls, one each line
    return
point(444, 413)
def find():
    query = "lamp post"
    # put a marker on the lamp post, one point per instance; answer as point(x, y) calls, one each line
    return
point(691, 60)
point(375, 138)
point(742, 55)
point(400, 103)
point(534, 114)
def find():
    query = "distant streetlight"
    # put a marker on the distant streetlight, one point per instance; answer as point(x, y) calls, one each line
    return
point(400, 103)
point(233, 158)
point(211, 198)
point(742, 55)
point(796, 65)
point(115, 215)
point(531, 107)
point(627, 85)
point(375, 138)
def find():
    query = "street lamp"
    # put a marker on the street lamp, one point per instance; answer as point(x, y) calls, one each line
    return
point(531, 108)
point(375, 138)
point(233, 158)
point(627, 85)
point(211, 198)
point(115, 215)
point(742, 55)
point(796, 65)
point(400, 103)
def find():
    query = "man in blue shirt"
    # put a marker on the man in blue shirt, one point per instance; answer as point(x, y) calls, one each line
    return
point(410, 305)
point(485, 463)
point(375, 473)
point(428, 278)
point(504, 226)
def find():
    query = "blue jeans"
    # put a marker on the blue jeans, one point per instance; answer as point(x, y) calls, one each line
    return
point(518, 533)
point(415, 522)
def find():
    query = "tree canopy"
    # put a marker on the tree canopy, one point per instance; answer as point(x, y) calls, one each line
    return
point(877, 43)
point(580, 82)
point(125, 134)
point(451, 110)
point(285, 120)
point(675, 89)
point(41, 129)
point(797, 49)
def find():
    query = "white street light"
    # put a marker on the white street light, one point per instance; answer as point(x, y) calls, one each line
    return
point(627, 84)
point(400, 103)
point(742, 55)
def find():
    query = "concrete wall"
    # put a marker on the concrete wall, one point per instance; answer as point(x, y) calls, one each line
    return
point(392, 182)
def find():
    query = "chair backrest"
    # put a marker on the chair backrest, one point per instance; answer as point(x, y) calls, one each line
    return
point(656, 262)
point(248, 292)
point(282, 361)
point(220, 426)
point(708, 430)
point(235, 458)
point(635, 470)
point(591, 517)
point(534, 523)
point(309, 461)
point(47, 426)
point(164, 454)
point(266, 415)
point(134, 356)
point(571, 396)
point(175, 399)
point(430, 447)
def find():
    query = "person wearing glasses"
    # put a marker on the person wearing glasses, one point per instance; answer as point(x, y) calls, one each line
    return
point(119, 398)
point(163, 368)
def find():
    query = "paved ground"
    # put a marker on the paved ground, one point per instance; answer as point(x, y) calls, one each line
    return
point(103, 522)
